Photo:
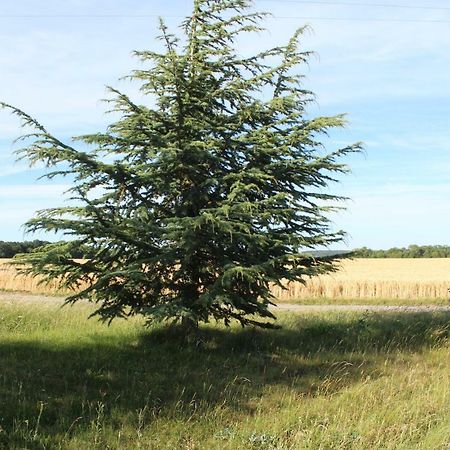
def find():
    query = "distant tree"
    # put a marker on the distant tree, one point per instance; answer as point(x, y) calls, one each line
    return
point(194, 203)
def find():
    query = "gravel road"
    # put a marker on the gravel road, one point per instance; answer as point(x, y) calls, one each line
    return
point(12, 298)
point(377, 308)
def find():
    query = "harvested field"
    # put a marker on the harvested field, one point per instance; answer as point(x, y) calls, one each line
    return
point(391, 278)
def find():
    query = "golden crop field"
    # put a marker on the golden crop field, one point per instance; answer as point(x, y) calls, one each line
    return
point(10, 280)
point(406, 279)
point(390, 278)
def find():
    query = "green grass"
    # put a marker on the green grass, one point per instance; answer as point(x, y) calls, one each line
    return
point(335, 381)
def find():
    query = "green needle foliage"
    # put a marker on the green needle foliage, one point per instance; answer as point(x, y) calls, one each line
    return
point(192, 205)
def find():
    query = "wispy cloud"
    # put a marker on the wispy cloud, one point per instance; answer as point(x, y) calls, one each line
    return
point(391, 77)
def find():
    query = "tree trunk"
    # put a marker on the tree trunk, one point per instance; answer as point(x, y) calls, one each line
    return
point(189, 328)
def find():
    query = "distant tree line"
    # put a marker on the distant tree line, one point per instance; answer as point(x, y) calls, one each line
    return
point(412, 251)
point(8, 249)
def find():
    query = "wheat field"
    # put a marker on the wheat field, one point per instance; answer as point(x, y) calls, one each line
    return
point(390, 278)
point(403, 279)
point(11, 280)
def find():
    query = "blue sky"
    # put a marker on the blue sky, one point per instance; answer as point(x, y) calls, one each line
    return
point(388, 68)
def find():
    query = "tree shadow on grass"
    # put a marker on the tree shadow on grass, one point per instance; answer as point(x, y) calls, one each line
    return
point(49, 393)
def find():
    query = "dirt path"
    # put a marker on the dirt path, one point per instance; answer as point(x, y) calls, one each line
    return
point(26, 297)
point(21, 297)
point(378, 308)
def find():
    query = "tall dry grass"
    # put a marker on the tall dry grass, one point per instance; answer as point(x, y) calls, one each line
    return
point(393, 278)
point(11, 280)
point(403, 279)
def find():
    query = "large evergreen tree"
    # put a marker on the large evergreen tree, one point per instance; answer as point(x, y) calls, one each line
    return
point(191, 205)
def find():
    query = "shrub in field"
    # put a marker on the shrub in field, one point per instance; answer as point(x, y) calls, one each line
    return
point(192, 204)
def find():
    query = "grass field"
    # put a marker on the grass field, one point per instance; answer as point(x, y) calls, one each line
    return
point(380, 281)
point(336, 381)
